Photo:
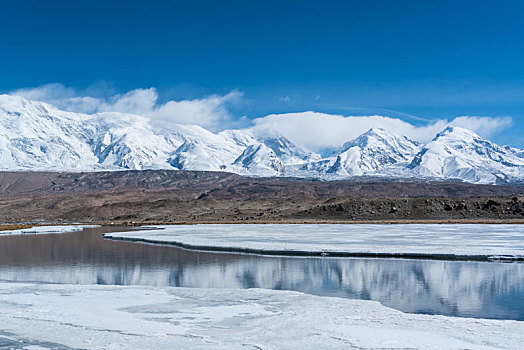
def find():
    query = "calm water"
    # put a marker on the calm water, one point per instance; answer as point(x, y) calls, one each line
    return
point(469, 289)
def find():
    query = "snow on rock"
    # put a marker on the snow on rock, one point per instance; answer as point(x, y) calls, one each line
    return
point(203, 150)
point(37, 136)
point(371, 152)
point(267, 152)
point(116, 317)
point(458, 153)
point(195, 155)
point(46, 229)
point(127, 141)
point(283, 148)
point(260, 159)
point(495, 240)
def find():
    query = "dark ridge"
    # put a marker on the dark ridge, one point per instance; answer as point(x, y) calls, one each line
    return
point(228, 185)
point(171, 196)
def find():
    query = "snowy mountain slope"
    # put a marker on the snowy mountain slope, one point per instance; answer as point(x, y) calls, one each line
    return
point(459, 153)
point(35, 135)
point(260, 159)
point(247, 151)
point(373, 152)
point(196, 154)
point(38, 136)
point(131, 142)
point(284, 149)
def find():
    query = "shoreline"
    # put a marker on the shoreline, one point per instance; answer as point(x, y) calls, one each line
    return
point(10, 227)
point(315, 221)
point(25, 224)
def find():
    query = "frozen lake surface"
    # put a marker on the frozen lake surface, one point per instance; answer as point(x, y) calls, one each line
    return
point(454, 288)
point(39, 230)
point(469, 241)
point(77, 290)
point(44, 316)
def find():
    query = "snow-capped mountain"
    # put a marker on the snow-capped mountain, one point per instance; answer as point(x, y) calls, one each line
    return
point(35, 135)
point(375, 151)
point(283, 148)
point(260, 159)
point(458, 153)
point(267, 152)
point(39, 136)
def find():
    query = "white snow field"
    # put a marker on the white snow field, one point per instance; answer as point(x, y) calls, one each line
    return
point(38, 230)
point(467, 240)
point(51, 316)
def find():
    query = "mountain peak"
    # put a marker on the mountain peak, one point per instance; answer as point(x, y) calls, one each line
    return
point(19, 102)
point(378, 137)
point(459, 153)
point(375, 131)
point(457, 132)
point(373, 151)
point(4, 98)
point(260, 159)
point(38, 136)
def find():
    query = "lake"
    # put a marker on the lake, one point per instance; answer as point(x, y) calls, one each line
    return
point(453, 288)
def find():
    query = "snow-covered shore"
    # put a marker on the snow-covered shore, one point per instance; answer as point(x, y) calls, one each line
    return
point(36, 230)
point(475, 241)
point(116, 317)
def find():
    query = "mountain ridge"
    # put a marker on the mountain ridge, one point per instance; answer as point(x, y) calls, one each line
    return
point(38, 136)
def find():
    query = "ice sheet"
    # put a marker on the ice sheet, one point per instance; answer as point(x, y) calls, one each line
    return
point(46, 229)
point(493, 240)
point(115, 317)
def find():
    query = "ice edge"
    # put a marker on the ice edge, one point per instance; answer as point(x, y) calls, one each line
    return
point(321, 253)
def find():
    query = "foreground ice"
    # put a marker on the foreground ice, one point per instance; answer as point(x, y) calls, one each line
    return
point(115, 317)
point(493, 240)
point(46, 229)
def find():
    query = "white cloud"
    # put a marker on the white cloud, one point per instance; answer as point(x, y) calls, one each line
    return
point(210, 112)
point(320, 131)
point(139, 101)
point(48, 93)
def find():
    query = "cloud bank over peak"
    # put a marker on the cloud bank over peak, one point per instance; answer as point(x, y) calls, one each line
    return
point(319, 132)
point(210, 112)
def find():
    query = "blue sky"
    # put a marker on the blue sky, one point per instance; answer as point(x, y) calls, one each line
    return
point(419, 61)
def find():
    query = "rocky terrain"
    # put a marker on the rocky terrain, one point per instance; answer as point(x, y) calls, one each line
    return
point(163, 196)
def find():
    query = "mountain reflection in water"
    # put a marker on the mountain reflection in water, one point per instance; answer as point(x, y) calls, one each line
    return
point(457, 288)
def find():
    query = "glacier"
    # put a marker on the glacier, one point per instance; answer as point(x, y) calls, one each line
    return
point(36, 136)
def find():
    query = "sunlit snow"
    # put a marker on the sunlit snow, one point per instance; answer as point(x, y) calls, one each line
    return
point(38, 136)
